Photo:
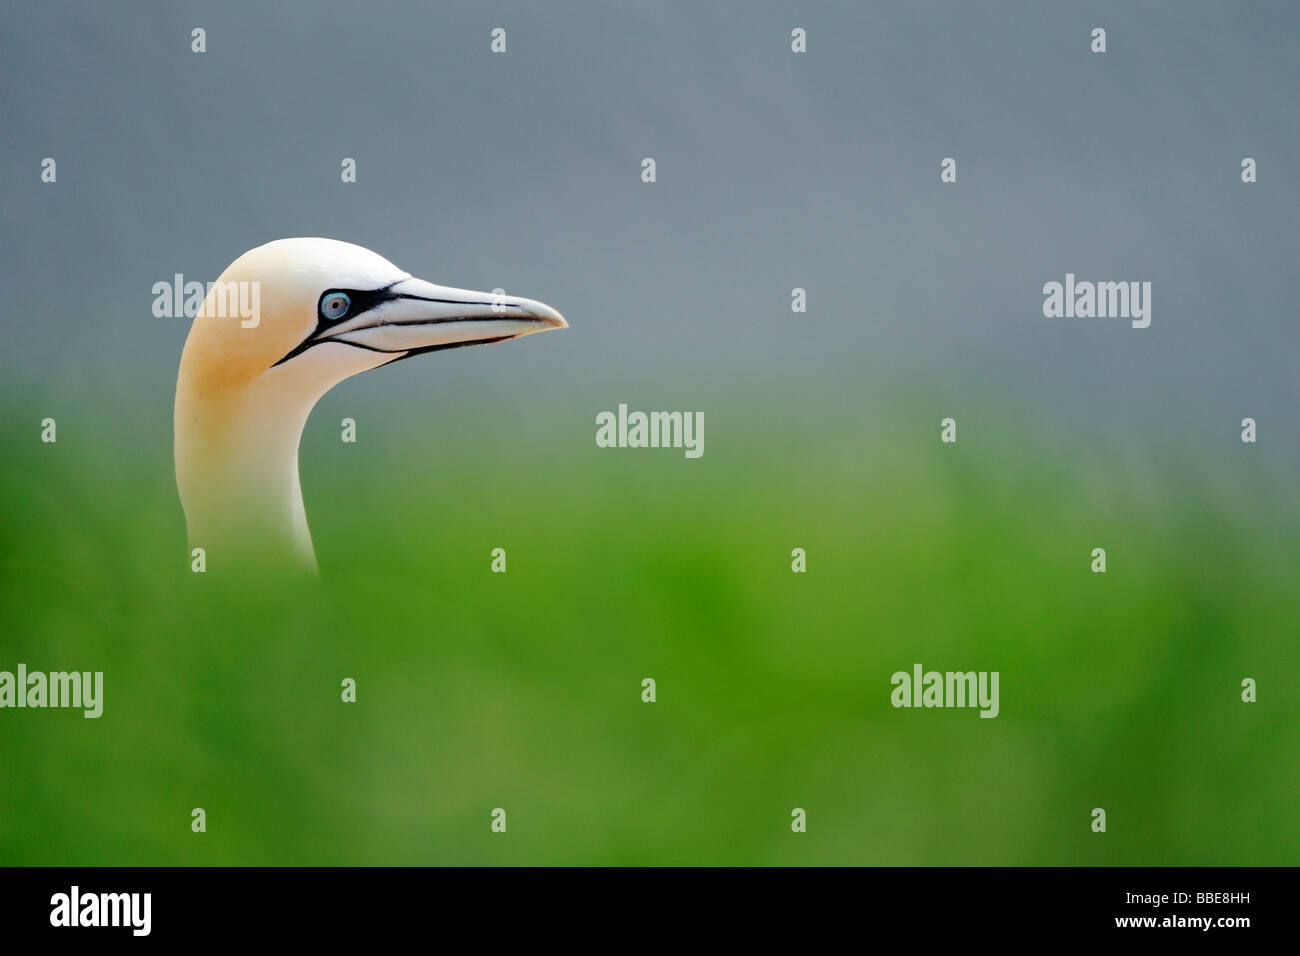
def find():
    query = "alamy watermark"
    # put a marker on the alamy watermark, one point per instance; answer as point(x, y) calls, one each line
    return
point(37, 689)
point(651, 430)
point(226, 300)
point(923, 688)
point(1099, 300)
point(76, 908)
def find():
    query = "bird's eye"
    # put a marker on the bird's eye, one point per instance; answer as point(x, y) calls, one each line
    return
point(335, 305)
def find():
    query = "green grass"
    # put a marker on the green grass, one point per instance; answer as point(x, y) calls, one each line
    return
point(522, 690)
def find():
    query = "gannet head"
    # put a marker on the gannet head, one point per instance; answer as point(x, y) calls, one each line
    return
point(328, 310)
point(323, 311)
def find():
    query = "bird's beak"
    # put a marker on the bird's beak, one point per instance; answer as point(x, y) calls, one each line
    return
point(415, 316)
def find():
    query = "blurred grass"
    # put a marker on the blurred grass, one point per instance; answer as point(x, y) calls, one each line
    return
point(522, 690)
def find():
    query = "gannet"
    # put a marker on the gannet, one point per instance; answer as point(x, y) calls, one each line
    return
point(327, 311)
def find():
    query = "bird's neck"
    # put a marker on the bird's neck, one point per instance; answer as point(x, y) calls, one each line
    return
point(237, 472)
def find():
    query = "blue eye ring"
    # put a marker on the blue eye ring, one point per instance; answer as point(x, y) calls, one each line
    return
point(334, 305)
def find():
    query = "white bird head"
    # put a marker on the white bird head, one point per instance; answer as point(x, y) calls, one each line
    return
point(328, 310)
point(321, 311)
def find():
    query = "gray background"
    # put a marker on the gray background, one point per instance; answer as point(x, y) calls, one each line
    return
point(775, 170)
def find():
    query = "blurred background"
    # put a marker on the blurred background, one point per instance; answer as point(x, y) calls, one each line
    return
point(775, 171)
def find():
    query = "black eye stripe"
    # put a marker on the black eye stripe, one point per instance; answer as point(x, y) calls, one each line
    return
point(363, 300)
